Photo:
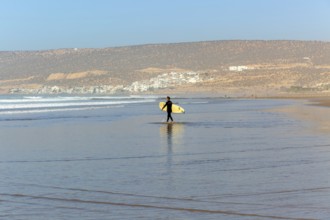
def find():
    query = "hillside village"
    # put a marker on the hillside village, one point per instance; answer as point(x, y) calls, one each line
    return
point(163, 81)
point(222, 68)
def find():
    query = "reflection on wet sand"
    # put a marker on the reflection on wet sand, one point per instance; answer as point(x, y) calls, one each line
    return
point(171, 136)
point(171, 141)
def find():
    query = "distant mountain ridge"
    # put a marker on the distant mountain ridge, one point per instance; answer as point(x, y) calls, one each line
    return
point(126, 65)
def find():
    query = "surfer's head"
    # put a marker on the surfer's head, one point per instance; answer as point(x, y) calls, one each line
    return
point(168, 98)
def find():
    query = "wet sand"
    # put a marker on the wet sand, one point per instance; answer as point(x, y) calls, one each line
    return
point(316, 112)
point(223, 159)
point(325, 102)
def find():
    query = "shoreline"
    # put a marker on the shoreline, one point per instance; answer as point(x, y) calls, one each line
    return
point(314, 111)
point(323, 102)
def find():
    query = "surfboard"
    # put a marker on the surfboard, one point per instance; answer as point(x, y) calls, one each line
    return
point(175, 108)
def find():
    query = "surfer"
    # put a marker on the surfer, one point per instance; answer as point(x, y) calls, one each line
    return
point(169, 108)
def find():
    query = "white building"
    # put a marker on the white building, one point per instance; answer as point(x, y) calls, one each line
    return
point(238, 68)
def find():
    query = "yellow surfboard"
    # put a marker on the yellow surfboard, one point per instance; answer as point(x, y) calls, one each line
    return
point(175, 108)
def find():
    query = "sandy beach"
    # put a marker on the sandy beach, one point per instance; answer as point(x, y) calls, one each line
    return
point(315, 111)
point(321, 102)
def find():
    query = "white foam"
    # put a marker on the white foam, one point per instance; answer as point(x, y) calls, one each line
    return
point(33, 104)
point(66, 104)
point(30, 99)
point(56, 110)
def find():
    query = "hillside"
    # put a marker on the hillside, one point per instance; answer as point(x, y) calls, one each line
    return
point(257, 68)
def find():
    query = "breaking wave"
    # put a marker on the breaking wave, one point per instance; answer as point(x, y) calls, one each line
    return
point(44, 104)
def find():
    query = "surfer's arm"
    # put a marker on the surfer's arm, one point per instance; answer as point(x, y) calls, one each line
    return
point(164, 106)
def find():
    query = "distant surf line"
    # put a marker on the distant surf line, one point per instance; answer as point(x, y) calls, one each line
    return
point(67, 104)
point(47, 110)
point(14, 99)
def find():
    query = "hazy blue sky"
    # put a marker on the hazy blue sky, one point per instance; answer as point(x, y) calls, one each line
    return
point(52, 24)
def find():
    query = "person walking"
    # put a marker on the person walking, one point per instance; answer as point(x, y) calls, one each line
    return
point(168, 104)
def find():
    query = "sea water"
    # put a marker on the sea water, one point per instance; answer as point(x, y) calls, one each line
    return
point(105, 157)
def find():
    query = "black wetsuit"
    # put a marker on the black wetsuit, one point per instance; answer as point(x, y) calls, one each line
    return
point(169, 110)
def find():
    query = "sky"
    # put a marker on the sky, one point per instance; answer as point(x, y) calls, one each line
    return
point(54, 24)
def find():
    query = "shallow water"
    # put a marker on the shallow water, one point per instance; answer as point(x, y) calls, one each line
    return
point(102, 158)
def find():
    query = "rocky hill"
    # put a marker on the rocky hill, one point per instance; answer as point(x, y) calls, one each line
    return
point(241, 68)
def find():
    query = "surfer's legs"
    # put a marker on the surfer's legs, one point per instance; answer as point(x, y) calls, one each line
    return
point(169, 116)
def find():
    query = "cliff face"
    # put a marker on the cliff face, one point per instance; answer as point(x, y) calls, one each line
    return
point(259, 67)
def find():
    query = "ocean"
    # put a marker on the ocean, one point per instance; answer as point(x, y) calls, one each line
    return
point(114, 157)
